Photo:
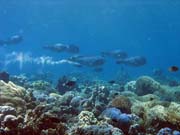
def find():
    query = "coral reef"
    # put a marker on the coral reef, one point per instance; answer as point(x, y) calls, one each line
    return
point(93, 108)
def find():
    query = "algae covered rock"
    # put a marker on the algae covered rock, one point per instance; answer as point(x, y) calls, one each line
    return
point(123, 103)
point(173, 113)
point(157, 114)
point(10, 121)
point(146, 85)
point(149, 97)
point(130, 86)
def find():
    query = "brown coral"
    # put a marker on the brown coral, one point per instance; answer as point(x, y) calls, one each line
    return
point(123, 103)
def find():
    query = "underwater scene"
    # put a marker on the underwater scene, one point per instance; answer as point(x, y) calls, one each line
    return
point(89, 67)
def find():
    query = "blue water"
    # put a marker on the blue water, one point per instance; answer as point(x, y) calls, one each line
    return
point(148, 28)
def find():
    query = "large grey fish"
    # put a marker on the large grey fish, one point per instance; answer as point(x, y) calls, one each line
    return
point(62, 48)
point(117, 54)
point(133, 61)
point(89, 61)
point(16, 39)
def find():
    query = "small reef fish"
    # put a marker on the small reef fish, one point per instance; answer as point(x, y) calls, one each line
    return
point(16, 39)
point(4, 76)
point(173, 69)
point(133, 61)
point(117, 54)
point(62, 48)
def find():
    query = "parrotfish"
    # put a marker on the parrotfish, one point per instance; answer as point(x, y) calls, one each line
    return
point(16, 39)
point(89, 61)
point(117, 54)
point(62, 48)
point(133, 61)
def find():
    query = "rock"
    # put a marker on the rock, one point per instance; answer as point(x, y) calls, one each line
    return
point(10, 121)
point(149, 97)
point(146, 85)
point(6, 110)
point(173, 114)
point(130, 86)
point(156, 114)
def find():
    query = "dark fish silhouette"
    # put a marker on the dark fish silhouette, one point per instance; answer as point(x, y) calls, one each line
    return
point(98, 69)
point(118, 54)
point(112, 81)
point(173, 69)
point(70, 83)
point(4, 76)
point(62, 48)
point(16, 39)
point(133, 61)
